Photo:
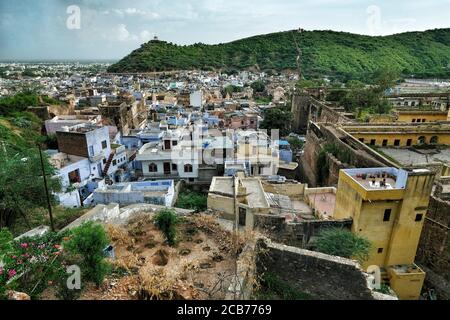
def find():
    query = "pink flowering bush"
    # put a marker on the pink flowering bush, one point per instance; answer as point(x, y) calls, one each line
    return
point(31, 263)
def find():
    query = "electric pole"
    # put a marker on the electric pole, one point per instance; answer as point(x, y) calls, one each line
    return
point(46, 189)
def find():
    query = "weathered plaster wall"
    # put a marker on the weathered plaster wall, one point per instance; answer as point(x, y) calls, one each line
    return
point(321, 276)
point(298, 234)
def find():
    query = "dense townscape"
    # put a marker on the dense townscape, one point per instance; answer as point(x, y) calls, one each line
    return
point(171, 175)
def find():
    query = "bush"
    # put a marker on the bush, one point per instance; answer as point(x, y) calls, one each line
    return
point(192, 200)
point(166, 221)
point(88, 242)
point(31, 264)
point(5, 241)
point(343, 243)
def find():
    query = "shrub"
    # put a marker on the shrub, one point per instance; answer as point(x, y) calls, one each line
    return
point(192, 200)
point(343, 243)
point(88, 242)
point(5, 241)
point(31, 263)
point(166, 221)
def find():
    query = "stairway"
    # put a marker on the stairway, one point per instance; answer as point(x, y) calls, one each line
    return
point(108, 164)
point(132, 157)
point(384, 277)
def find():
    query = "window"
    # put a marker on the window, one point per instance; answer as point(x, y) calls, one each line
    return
point(397, 142)
point(174, 143)
point(385, 142)
point(152, 167)
point(174, 167)
point(409, 142)
point(423, 120)
point(114, 162)
point(419, 217)
point(373, 142)
point(380, 250)
point(413, 120)
point(104, 144)
point(421, 140)
point(91, 151)
point(104, 160)
point(434, 140)
point(361, 139)
point(387, 215)
point(188, 168)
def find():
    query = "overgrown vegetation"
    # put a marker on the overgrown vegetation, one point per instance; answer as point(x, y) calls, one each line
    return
point(32, 264)
point(87, 244)
point(192, 200)
point(166, 220)
point(366, 99)
point(296, 143)
point(343, 243)
point(277, 118)
point(22, 100)
point(22, 185)
point(274, 288)
point(335, 54)
point(342, 154)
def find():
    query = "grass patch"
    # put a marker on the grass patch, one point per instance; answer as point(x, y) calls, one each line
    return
point(274, 288)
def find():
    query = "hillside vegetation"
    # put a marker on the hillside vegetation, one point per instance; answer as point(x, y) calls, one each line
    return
point(340, 54)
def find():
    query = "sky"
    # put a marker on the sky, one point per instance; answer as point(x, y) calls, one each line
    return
point(110, 29)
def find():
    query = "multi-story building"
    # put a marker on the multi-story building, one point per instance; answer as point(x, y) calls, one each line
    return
point(181, 155)
point(261, 153)
point(86, 154)
point(388, 207)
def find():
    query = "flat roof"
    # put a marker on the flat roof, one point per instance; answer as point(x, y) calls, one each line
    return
point(379, 178)
point(323, 203)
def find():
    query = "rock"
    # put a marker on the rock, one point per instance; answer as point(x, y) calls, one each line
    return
point(15, 295)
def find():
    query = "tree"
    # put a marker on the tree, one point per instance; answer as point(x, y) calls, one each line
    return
point(22, 184)
point(296, 143)
point(258, 86)
point(275, 118)
point(230, 90)
point(343, 243)
point(385, 78)
point(166, 221)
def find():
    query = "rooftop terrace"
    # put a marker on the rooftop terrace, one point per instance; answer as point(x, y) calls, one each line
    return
point(379, 178)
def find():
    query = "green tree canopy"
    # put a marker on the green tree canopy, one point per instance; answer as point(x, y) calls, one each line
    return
point(22, 184)
point(258, 86)
point(276, 118)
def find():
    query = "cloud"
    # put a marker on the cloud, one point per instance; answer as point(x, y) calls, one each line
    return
point(120, 33)
point(130, 12)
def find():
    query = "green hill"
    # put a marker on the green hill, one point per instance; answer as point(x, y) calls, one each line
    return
point(324, 53)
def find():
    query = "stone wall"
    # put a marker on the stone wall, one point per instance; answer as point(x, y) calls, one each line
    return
point(300, 234)
point(321, 276)
point(361, 156)
point(306, 108)
point(433, 253)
